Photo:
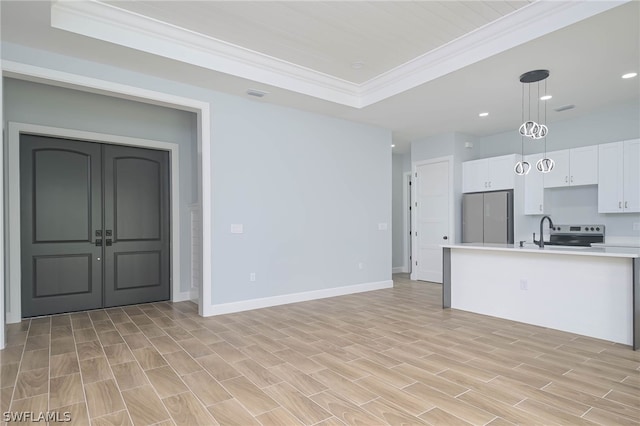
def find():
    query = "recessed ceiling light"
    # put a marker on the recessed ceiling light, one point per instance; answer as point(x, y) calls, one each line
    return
point(630, 75)
point(393, 145)
point(483, 114)
point(357, 65)
point(545, 97)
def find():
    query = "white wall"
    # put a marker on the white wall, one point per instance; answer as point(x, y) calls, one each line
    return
point(310, 190)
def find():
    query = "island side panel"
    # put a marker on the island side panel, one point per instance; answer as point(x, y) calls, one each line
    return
point(446, 277)
point(636, 303)
point(586, 295)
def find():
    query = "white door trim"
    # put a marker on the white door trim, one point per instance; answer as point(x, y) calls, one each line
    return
point(406, 231)
point(14, 311)
point(414, 210)
point(202, 109)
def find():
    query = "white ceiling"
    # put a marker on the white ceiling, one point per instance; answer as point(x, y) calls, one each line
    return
point(428, 67)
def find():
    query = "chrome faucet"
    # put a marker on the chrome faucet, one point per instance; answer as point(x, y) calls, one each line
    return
point(541, 242)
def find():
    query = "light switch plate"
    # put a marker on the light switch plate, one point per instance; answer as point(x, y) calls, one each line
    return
point(237, 228)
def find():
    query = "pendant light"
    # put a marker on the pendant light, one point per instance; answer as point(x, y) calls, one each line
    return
point(530, 128)
point(522, 167)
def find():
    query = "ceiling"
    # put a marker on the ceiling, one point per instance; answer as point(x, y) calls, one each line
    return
point(417, 68)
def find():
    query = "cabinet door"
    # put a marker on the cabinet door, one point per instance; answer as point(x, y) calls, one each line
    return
point(474, 176)
point(534, 187)
point(631, 177)
point(559, 176)
point(610, 177)
point(583, 165)
point(500, 172)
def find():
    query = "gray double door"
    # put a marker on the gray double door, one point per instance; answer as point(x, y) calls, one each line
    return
point(94, 225)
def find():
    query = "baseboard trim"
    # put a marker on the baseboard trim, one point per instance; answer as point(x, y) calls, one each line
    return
point(183, 296)
point(266, 302)
point(400, 270)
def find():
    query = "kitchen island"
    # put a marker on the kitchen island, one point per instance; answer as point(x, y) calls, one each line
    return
point(584, 290)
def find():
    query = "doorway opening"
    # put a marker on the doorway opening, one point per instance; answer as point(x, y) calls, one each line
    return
point(128, 281)
point(95, 229)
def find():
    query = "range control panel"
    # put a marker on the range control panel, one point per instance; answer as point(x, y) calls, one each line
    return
point(577, 229)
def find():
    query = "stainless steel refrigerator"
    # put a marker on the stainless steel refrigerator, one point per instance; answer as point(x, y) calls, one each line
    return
point(487, 217)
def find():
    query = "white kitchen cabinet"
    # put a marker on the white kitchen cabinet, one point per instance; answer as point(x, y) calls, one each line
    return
point(619, 177)
point(489, 174)
point(534, 187)
point(573, 167)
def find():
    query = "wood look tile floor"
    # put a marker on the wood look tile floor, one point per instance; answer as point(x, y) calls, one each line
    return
point(383, 357)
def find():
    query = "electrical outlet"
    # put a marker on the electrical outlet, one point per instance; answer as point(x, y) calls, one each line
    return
point(524, 285)
point(252, 276)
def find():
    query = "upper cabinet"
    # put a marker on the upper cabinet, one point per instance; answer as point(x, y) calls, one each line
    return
point(573, 167)
point(619, 177)
point(488, 174)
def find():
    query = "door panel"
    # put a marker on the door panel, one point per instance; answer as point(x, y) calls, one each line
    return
point(432, 214)
point(496, 217)
point(136, 185)
point(72, 195)
point(61, 206)
point(472, 218)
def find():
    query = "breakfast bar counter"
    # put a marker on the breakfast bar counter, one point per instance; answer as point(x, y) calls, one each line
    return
point(590, 291)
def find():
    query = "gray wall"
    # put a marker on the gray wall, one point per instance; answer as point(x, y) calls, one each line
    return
point(33, 103)
point(310, 190)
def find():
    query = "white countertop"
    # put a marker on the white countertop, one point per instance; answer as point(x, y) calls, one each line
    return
point(630, 252)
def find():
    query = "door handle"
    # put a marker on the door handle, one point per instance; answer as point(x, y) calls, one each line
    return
point(98, 242)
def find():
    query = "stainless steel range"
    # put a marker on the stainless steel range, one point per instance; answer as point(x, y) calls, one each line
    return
point(575, 235)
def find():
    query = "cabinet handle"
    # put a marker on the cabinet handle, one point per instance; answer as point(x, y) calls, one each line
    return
point(619, 204)
point(571, 179)
point(540, 207)
point(485, 184)
point(489, 184)
point(566, 179)
point(626, 204)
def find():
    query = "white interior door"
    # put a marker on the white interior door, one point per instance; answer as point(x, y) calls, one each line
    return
point(432, 222)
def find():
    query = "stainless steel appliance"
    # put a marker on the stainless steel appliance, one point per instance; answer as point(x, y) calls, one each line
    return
point(575, 235)
point(487, 217)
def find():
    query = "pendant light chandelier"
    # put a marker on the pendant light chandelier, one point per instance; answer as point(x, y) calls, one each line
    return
point(535, 130)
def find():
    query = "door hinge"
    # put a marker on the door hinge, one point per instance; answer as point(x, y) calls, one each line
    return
point(416, 263)
point(416, 204)
point(416, 174)
point(409, 183)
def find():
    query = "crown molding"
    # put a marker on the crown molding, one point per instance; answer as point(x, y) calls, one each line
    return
point(112, 24)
